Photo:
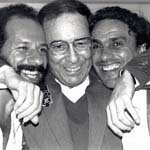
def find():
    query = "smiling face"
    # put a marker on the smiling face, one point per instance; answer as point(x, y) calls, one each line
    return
point(25, 48)
point(117, 48)
point(69, 64)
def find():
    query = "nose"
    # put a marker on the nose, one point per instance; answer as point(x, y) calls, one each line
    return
point(35, 58)
point(72, 54)
point(106, 54)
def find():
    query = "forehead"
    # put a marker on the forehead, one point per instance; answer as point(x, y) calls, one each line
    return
point(110, 28)
point(66, 27)
point(24, 28)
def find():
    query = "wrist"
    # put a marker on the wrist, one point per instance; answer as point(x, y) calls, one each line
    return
point(4, 71)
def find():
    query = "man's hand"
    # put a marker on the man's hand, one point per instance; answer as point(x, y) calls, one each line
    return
point(27, 95)
point(121, 114)
point(29, 102)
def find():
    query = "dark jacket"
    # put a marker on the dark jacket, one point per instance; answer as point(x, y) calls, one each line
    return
point(53, 131)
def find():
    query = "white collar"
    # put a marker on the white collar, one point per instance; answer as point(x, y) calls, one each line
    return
point(73, 94)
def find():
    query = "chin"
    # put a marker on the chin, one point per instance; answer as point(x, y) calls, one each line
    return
point(34, 81)
point(72, 84)
point(109, 84)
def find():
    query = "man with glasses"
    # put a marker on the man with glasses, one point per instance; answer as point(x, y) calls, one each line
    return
point(76, 118)
point(72, 121)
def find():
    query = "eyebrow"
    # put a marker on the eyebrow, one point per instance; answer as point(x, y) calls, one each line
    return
point(55, 41)
point(22, 42)
point(43, 44)
point(27, 43)
point(82, 38)
point(117, 38)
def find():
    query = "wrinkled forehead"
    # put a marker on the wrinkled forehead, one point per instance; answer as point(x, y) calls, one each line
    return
point(24, 28)
point(67, 26)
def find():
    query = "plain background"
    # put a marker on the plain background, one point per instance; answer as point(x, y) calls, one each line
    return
point(140, 6)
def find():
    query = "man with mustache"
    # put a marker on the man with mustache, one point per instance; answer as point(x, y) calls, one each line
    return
point(23, 47)
point(119, 36)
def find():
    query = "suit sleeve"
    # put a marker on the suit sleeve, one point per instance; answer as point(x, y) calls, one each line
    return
point(2, 62)
point(139, 67)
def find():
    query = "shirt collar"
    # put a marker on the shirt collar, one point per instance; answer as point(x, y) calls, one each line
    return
point(75, 93)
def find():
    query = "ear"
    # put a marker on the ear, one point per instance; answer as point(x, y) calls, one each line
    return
point(142, 48)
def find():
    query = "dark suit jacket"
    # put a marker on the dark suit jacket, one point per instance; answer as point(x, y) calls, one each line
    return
point(53, 131)
point(140, 68)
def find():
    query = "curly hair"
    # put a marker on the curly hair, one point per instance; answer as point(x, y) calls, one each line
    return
point(8, 12)
point(58, 7)
point(136, 24)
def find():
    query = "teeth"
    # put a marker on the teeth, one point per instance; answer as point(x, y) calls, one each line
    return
point(110, 67)
point(73, 69)
point(28, 72)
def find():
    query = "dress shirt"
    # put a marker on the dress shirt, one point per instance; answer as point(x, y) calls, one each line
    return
point(15, 136)
point(75, 93)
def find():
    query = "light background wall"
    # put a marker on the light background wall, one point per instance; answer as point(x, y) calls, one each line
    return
point(140, 6)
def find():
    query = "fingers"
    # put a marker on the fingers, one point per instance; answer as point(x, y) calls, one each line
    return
point(27, 107)
point(32, 111)
point(116, 121)
point(132, 111)
point(20, 94)
point(110, 124)
point(122, 115)
point(28, 101)
point(34, 120)
point(121, 108)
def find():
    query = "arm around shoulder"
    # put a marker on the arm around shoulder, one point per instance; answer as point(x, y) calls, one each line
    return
point(139, 67)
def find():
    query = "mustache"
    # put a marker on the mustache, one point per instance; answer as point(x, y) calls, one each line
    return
point(40, 68)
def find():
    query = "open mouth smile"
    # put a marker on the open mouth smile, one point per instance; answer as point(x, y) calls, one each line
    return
point(30, 74)
point(73, 69)
point(111, 67)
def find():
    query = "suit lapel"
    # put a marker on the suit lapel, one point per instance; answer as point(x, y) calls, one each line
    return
point(58, 121)
point(97, 99)
point(52, 132)
point(57, 117)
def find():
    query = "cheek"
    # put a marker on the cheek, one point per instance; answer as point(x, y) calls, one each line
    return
point(127, 55)
point(17, 58)
point(56, 68)
point(86, 54)
point(95, 57)
point(55, 58)
point(55, 63)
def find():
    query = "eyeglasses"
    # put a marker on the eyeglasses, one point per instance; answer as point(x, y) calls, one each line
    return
point(61, 47)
